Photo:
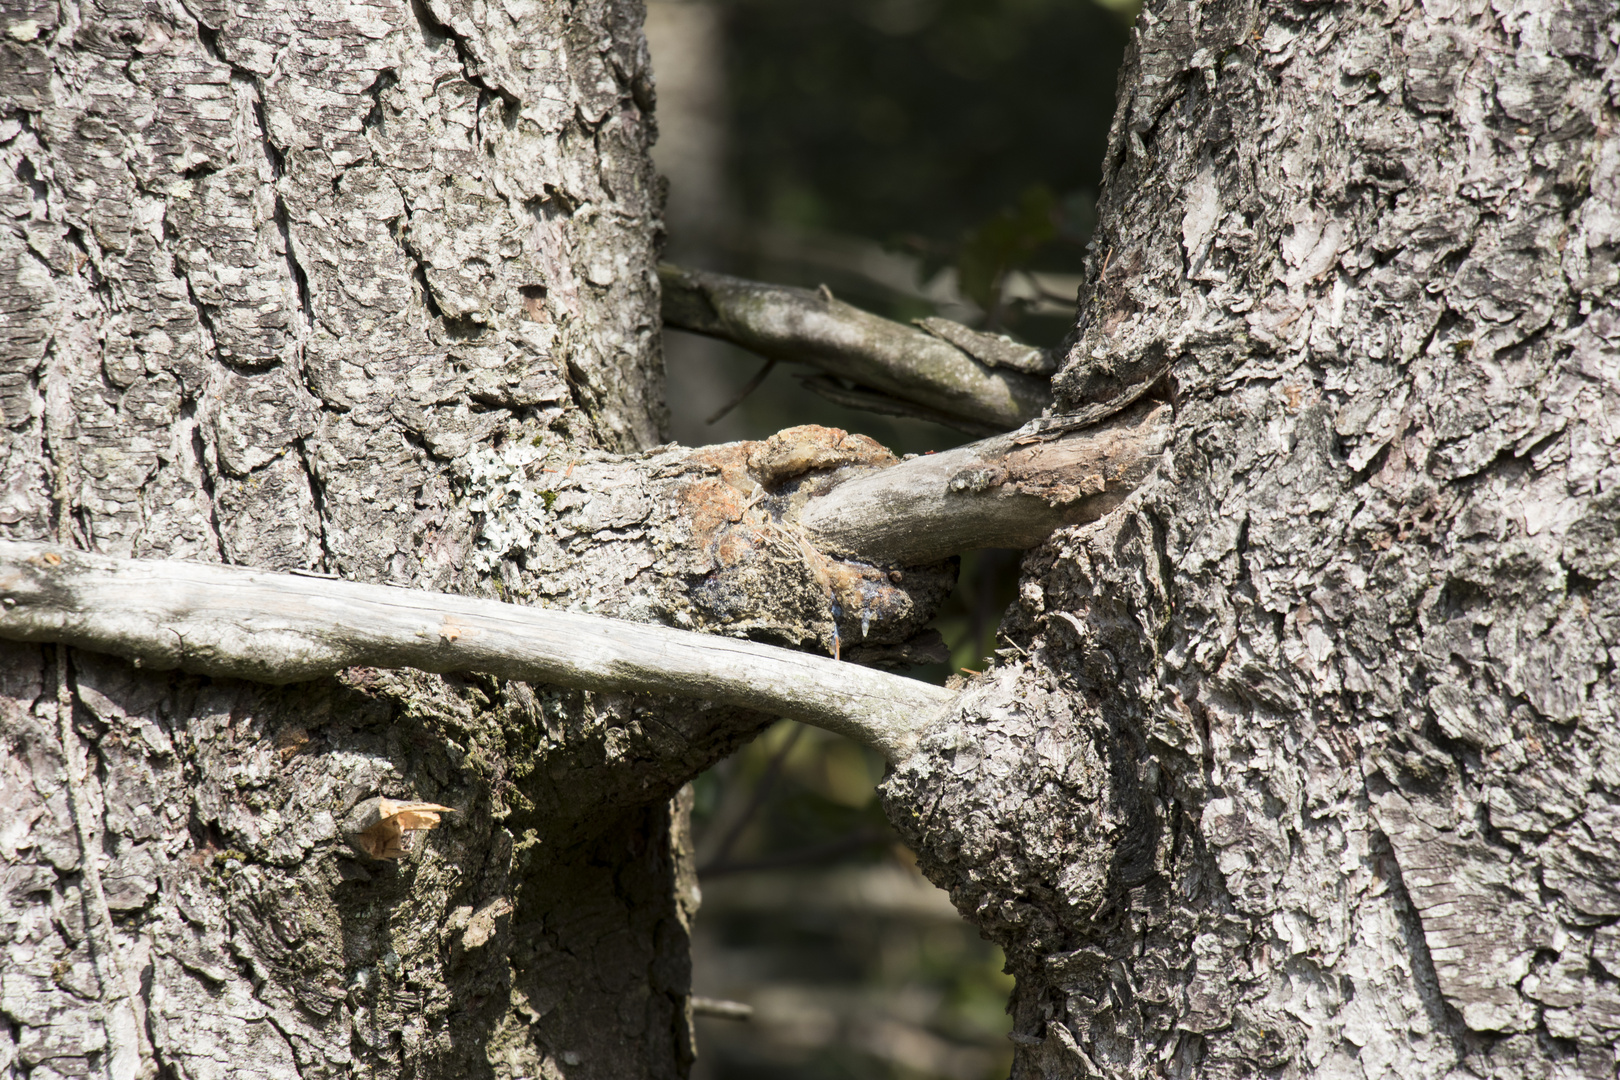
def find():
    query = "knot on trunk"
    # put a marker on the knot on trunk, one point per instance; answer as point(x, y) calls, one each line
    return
point(1008, 804)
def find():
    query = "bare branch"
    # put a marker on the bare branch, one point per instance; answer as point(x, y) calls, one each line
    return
point(856, 397)
point(900, 361)
point(281, 628)
point(1008, 491)
point(993, 350)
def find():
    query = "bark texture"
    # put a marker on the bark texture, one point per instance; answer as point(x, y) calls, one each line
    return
point(1306, 760)
point(1302, 761)
point(283, 285)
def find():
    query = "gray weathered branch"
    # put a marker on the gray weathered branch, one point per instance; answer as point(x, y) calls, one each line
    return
point(1008, 491)
point(280, 628)
point(906, 363)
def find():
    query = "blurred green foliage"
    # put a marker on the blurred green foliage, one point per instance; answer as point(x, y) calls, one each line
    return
point(970, 616)
point(1008, 238)
point(820, 787)
point(831, 983)
point(968, 133)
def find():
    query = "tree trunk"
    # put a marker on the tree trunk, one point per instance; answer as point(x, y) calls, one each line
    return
point(269, 272)
point(1306, 761)
point(1301, 761)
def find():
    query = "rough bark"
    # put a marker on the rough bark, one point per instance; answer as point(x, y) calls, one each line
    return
point(279, 280)
point(1301, 761)
point(1306, 760)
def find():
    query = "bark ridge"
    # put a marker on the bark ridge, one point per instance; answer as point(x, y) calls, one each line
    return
point(1326, 713)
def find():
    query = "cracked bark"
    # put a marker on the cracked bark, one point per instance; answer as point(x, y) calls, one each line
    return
point(1301, 761)
point(270, 270)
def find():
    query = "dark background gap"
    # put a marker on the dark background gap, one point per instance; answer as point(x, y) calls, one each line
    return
point(917, 157)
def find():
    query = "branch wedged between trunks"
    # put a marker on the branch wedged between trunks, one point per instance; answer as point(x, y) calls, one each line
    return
point(920, 373)
point(210, 619)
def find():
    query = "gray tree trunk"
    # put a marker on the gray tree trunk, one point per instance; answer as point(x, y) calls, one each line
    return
point(1306, 761)
point(274, 277)
point(1303, 761)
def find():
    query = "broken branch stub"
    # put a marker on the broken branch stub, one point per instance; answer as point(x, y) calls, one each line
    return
point(280, 628)
point(898, 361)
point(1010, 491)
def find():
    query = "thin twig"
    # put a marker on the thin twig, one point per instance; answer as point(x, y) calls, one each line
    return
point(748, 388)
point(858, 397)
point(761, 791)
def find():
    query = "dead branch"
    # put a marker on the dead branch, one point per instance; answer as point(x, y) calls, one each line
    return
point(902, 362)
point(280, 628)
point(1008, 491)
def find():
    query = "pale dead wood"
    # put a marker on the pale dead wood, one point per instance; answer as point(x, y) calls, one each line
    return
point(1009, 491)
point(281, 628)
point(721, 1009)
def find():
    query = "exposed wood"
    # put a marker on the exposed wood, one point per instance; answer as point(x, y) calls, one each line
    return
point(809, 327)
point(1008, 491)
point(282, 628)
point(381, 828)
point(129, 1053)
point(721, 1009)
